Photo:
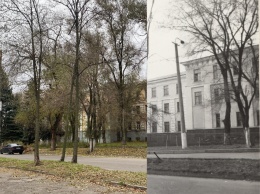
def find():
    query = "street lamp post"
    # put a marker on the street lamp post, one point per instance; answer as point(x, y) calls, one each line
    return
point(183, 129)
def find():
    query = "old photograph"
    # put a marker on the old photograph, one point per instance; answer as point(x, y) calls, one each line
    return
point(203, 97)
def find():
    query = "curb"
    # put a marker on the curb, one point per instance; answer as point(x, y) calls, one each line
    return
point(127, 185)
point(241, 150)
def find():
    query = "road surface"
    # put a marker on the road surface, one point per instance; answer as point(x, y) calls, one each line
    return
point(123, 164)
point(189, 185)
point(251, 155)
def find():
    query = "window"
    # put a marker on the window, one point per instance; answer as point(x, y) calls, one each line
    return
point(217, 95)
point(217, 120)
point(138, 125)
point(166, 108)
point(257, 91)
point(154, 127)
point(153, 92)
point(215, 71)
point(165, 90)
point(179, 125)
point(198, 98)
point(166, 127)
point(255, 64)
point(178, 107)
point(154, 109)
point(138, 110)
point(257, 118)
point(239, 119)
point(197, 75)
point(235, 70)
point(177, 89)
point(130, 126)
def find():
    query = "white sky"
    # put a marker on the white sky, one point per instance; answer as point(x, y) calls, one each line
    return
point(161, 59)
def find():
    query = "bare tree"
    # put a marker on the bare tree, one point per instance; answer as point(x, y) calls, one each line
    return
point(81, 14)
point(225, 29)
point(121, 54)
point(29, 18)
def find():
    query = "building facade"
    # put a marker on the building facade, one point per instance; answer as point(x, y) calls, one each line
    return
point(204, 104)
point(134, 120)
point(163, 111)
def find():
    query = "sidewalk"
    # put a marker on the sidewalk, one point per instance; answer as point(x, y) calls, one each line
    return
point(234, 153)
point(252, 155)
point(173, 150)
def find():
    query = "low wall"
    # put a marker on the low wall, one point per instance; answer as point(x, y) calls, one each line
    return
point(202, 137)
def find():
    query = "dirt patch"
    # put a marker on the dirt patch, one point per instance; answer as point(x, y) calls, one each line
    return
point(237, 169)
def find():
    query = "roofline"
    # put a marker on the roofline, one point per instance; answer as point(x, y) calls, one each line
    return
point(185, 63)
point(171, 76)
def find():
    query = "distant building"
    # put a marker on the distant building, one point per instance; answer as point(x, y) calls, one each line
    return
point(163, 111)
point(135, 119)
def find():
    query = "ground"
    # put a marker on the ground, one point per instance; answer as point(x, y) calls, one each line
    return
point(15, 181)
point(237, 169)
point(215, 161)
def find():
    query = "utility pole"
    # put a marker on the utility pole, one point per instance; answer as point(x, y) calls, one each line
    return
point(183, 129)
point(1, 97)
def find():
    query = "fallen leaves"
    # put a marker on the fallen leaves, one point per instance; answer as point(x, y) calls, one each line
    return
point(78, 174)
point(132, 149)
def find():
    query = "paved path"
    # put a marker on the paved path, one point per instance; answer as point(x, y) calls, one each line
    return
point(123, 164)
point(252, 155)
point(189, 185)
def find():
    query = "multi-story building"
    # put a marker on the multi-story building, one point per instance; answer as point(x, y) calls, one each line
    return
point(134, 119)
point(163, 112)
point(137, 126)
point(204, 105)
point(205, 96)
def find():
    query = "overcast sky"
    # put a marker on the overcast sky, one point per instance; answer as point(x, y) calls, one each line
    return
point(161, 59)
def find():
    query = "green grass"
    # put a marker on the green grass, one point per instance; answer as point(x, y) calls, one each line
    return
point(134, 144)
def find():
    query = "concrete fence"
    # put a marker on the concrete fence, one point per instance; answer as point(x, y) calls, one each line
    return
point(202, 137)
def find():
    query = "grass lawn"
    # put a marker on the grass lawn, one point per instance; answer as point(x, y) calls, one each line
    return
point(78, 174)
point(132, 149)
point(241, 169)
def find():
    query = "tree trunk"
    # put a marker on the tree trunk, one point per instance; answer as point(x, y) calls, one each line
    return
point(246, 127)
point(76, 74)
point(92, 144)
point(65, 141)
point(53, 139)
point(226, 121)
point(104, 135)
point(54, 128)
point(72, 124)
point(122, 119)
point(67, 122)
point(247, 137)
point(227, 139)
point(37, 131)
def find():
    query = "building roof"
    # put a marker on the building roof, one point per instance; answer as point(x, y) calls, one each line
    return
point(202, 59)
point(167, 77)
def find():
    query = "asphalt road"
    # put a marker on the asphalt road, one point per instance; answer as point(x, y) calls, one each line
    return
point(122, 164)
point(251, 155)
point(189, 185)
